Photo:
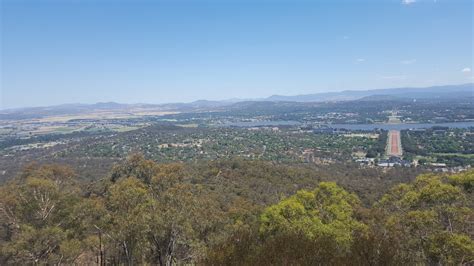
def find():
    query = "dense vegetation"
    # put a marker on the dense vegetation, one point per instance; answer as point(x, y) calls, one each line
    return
point(357, 111)
point(172, 143)
point(428, 221)
point(378, 149)
point(233, 212)
point(169, 143)
point(454, 147)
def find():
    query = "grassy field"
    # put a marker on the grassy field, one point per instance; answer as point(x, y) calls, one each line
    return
point(54, 130)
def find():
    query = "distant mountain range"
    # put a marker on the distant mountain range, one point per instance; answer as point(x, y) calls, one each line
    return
point(437, 92)
point(448, 91)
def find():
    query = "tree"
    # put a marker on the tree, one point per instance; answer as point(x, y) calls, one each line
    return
point(183, 220)
point(465, 180)
point(34, 210)
point(324, 213)
point(134, 166)
point(431, 219)
point(129, 205)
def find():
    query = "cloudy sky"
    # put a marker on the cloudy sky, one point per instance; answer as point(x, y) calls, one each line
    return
point(55, 52)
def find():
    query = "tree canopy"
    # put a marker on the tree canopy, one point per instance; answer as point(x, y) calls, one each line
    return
point(149, 213)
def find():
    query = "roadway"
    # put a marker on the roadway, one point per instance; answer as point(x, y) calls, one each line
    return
point(394, 144)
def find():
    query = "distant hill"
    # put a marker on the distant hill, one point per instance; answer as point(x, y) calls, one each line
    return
point(70, 109)
point(276, 101)
point(382, 97)
point(448, 91)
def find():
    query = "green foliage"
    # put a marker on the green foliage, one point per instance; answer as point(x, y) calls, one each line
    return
point(326, 212)
point(378, 148)
point(33, 210)
point(465, 180)
point(454, 147)
point(129, 206)
point(432, 220)
point(36, 245)
point(135, 166)
point(423, 222)
point(228, 213)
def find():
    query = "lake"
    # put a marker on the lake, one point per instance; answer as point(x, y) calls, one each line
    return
point(370, 127)
point(365, 127)
point(263, 124)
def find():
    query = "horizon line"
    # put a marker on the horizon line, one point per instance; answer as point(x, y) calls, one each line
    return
point(235, 99)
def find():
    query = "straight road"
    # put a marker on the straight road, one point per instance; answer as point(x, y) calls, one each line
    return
point(394, 145)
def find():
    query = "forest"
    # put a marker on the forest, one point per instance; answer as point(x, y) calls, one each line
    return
point(236, 212)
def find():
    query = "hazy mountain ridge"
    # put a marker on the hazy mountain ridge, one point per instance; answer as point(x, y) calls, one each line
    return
point(450, 91)
point(436, 92)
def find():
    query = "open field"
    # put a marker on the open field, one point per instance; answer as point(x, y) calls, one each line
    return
point(103, 115)
point(54, 130)
point(394, 120)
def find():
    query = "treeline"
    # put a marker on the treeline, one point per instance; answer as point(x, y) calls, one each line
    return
point(15, 141)
point(378, 149)
point(454, 147)
point(231, 213)
point(426, 222)
point(142, 213)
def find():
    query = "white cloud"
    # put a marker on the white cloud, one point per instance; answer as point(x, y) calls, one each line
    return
point(466, 70)
point(408, 61)
point(360, 60)
point(408, 2)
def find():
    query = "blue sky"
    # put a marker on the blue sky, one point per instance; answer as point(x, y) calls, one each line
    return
point(72, 51)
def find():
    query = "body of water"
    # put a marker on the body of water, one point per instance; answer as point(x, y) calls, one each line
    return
point(370, 127)
point(263, 124)
point(365, 127)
